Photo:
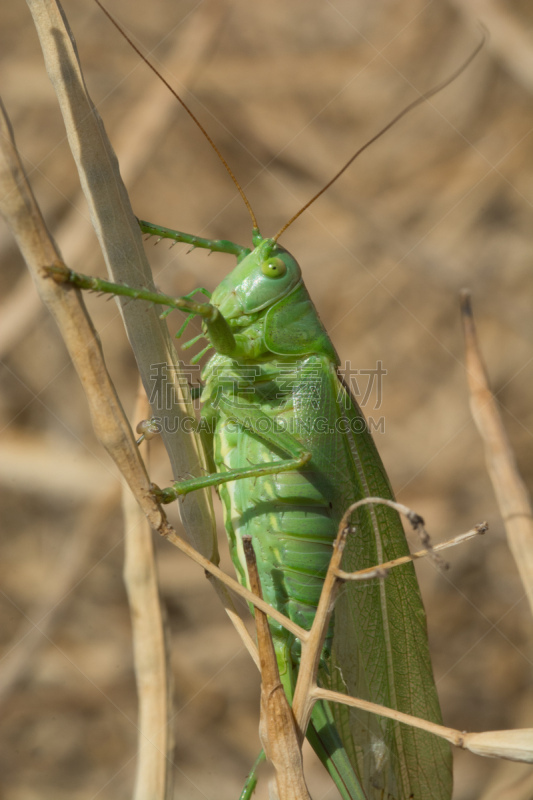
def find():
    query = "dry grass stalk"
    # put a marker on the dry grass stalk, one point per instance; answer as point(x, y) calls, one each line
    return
point(120, 239)
point(237, 621)
point(312, 645)
point(279, 733)
point(511, 493)
point(153, 676)
point(513, 745)
point(20, 210)
point(477, 530)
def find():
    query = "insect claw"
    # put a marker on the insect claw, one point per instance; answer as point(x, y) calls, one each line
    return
point(155, 490)
point(163, 496)
point(415, 519)
point(148, 428)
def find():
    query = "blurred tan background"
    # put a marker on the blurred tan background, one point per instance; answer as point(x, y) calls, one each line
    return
point(288, 91)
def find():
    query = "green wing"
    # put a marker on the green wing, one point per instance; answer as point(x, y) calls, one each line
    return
point(380, 647)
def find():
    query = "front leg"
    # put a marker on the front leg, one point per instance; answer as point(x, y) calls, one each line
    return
point(215, 245)
point(218, 329)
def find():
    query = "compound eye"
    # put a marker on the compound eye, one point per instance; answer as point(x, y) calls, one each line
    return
point(274, 268)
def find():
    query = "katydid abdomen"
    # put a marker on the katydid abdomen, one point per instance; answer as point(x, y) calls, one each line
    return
point(290, 516)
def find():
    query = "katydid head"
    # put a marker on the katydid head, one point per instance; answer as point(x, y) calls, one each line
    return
point(267, 286)
point(259, 281)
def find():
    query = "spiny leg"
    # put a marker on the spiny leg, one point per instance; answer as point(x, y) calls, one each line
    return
point(215, 245)
point(181, 488)
point(218, 329)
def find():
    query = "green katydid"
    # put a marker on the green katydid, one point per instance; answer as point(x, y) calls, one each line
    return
point(285, 474)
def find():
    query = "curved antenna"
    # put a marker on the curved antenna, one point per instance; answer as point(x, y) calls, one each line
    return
point(187, 109)
point(419, 100)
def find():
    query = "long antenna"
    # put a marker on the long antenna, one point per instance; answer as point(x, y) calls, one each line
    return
point(419, 100)
point(187, 109)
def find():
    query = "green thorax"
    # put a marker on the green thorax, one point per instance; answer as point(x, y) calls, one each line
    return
point(264, 299)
